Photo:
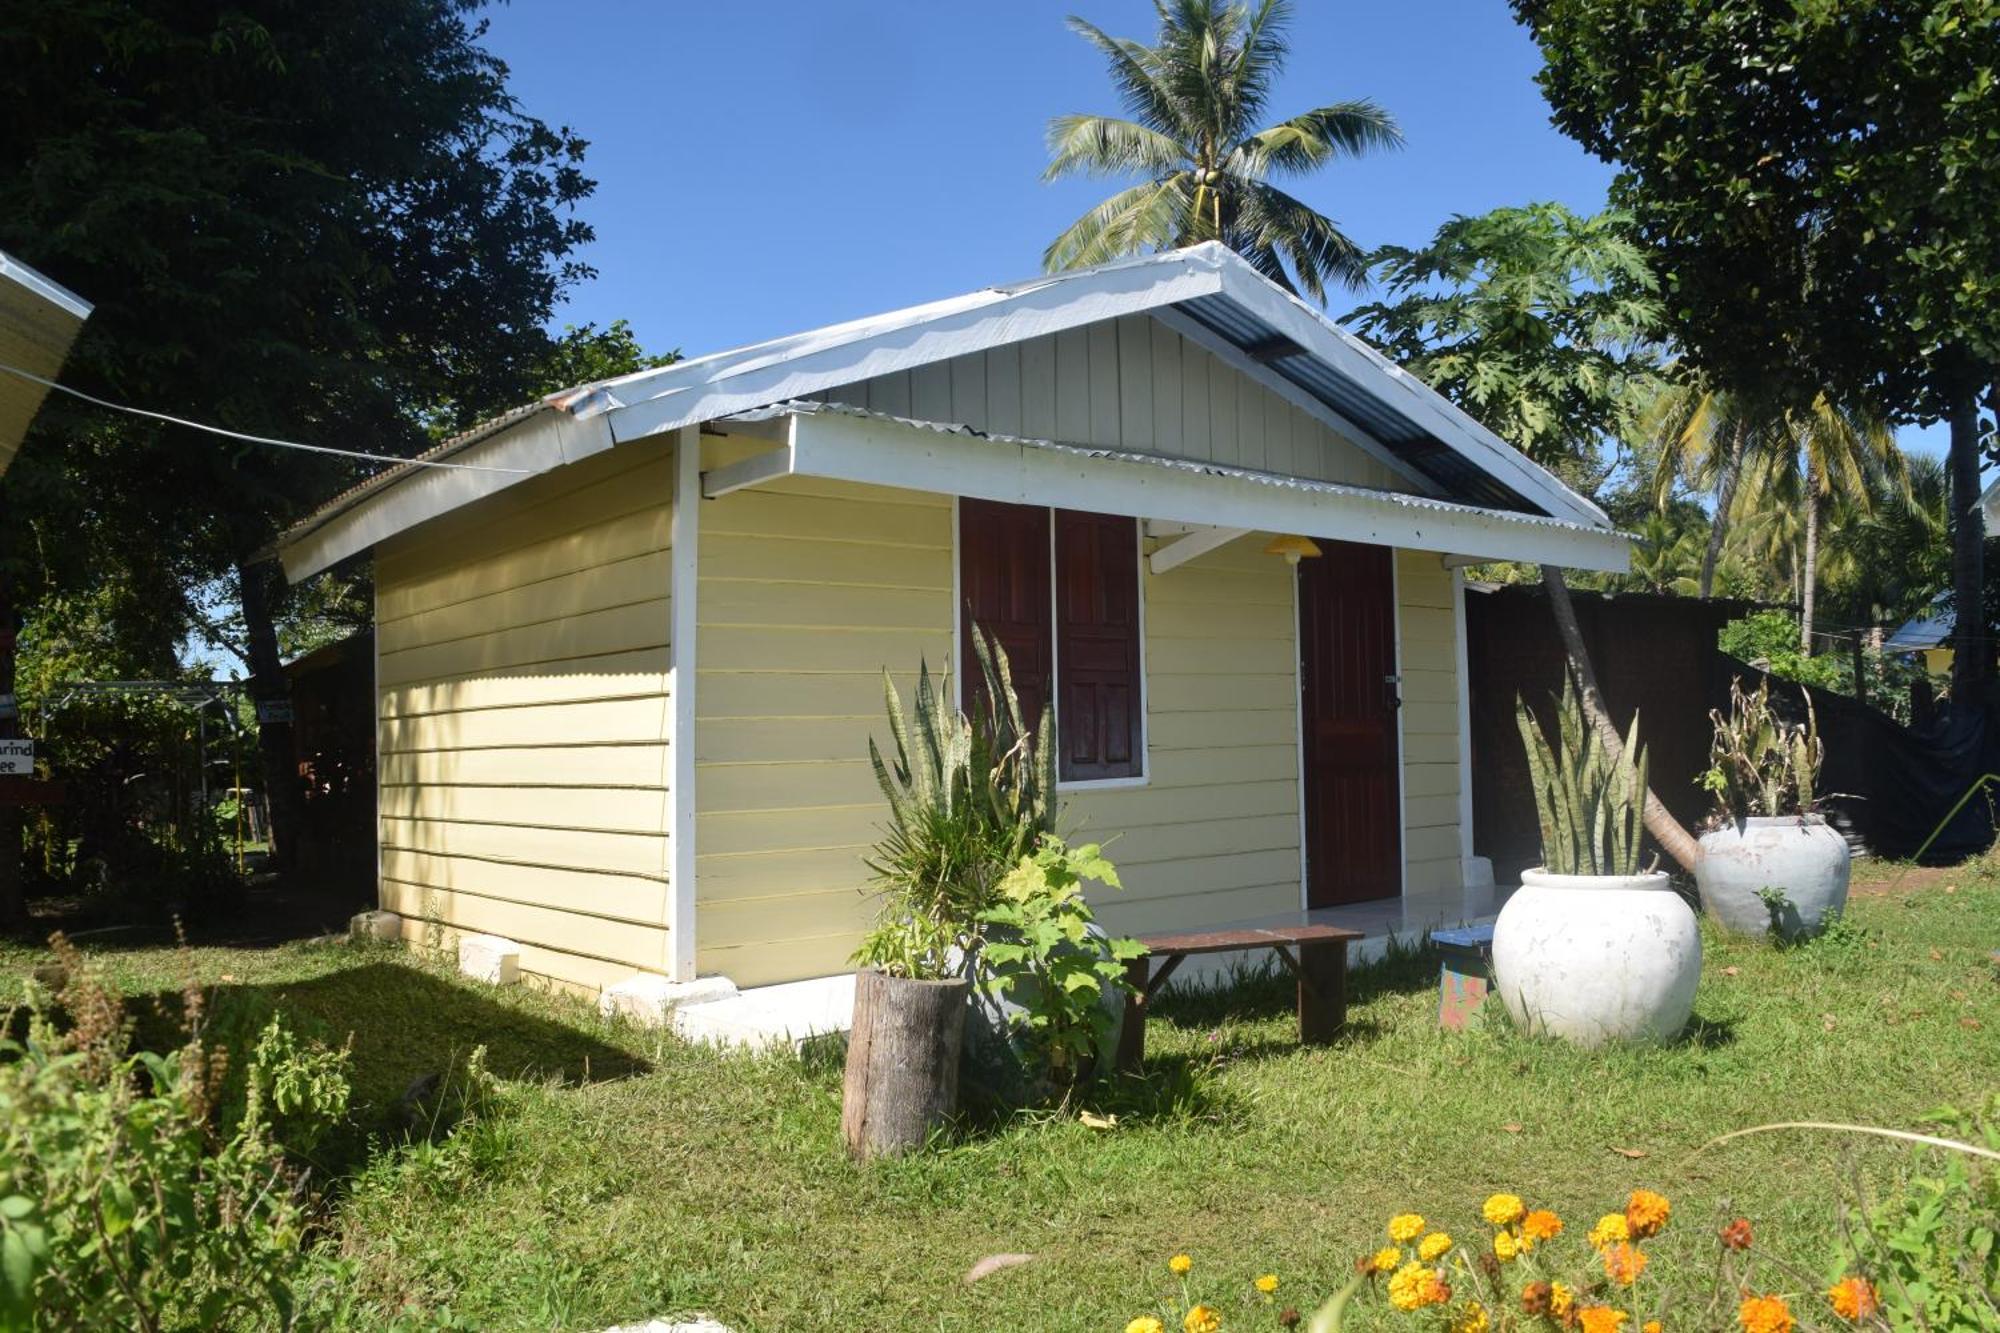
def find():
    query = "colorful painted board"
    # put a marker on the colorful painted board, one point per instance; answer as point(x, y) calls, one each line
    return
point(1466, 974)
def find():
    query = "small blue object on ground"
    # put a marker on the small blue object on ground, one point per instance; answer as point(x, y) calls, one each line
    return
point(1466, 974)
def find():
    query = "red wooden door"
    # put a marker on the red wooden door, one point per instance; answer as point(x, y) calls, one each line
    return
point(1347, 645)
point(1003, 577)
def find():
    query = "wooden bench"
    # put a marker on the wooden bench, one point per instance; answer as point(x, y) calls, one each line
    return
point(1320, 964)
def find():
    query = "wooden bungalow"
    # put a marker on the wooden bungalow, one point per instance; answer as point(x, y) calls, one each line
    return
point(625, 678)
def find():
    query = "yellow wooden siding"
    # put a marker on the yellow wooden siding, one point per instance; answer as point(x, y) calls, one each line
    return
point(525, 718)
point(1427, 623)
point(808, 589)
point(1130, 383)
point(1213, 835)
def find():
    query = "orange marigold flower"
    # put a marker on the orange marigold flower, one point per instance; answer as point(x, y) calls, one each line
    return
point(1764, 1314)
point(1405, 1227)
point(1541, 1225)
point(1601, 1319)
point(1853, 1297)
point(1610, 1229)
point(1535, 1298)
point(1623, 1263)
point(1736, 1236)
point(1203, 1319)
point(1650, 1326)
point(1646, 1213)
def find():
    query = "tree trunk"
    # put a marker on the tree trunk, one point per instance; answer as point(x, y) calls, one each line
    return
point(270, 691)
point(902, 1062)
point(1675, 840)
point(1809, 577)
point(1725, 496)
point(13, 894)
point(1970, 667)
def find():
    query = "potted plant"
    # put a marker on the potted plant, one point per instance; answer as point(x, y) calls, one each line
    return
point(1591, 948)
point(1771, 862)
point(966, 804)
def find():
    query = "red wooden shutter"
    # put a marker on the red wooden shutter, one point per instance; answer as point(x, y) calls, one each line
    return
point(1098, 723)
point(1003, 577)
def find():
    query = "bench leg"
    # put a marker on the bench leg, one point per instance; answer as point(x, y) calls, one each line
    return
point(1132, 1035)
point(1322, 992)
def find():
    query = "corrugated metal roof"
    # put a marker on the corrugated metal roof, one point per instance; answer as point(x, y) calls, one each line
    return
point(1451, 470)
point(805, 407)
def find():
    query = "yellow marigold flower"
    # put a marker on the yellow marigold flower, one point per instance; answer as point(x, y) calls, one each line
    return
point(1764, 1314)
point(1145, 1323)
point(1610, 1229)
point(1646, 1213)
point(1472, 1319)
point(1541, 1225)
point(1435, 1246)
point(1386, 1259)
point(1203, 1319)
point(1179, 1265)
point(1503, 1210)
point(1505, 1247)
point(1267, 1283)
point(1853, 1297)
point(1623, 1263)
point(1415, 1286)
point(1405, 1227)
point(1561, 1300)
point(1601, 1319)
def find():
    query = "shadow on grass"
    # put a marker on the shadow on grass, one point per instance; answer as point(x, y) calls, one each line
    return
point(409, 1032)
point(1266, 990)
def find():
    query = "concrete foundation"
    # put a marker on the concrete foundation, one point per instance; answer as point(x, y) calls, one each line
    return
point(489, 958)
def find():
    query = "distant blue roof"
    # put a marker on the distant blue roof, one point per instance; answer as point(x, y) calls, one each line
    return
point(1930, 630)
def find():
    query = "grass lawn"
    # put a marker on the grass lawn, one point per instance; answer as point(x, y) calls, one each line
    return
point(622, 1176)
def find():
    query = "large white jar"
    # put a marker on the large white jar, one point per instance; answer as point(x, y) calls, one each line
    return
point(1597, 958)
point(1801, 856)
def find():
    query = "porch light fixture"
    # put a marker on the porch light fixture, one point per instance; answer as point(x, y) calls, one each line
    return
point(1294, 549)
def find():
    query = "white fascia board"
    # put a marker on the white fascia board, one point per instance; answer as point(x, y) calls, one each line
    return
point(1417, 400)
point(889, 453)
point(1191, 546)
point(543, 442)
point(1009, 317)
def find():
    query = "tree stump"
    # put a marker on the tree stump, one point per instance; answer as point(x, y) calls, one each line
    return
point(902, 1062)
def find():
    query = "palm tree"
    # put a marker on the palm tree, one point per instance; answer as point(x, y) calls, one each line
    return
point(1823, 454)
point(1191, 100)
point(1703, 436)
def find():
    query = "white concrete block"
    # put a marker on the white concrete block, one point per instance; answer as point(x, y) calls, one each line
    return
point(697, 1325)
point(375, 926)
point(789, 1014)
point(649, 999)
point(489, 958)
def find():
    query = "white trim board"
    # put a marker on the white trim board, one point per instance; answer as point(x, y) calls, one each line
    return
point(682, 882)
point(883, 451)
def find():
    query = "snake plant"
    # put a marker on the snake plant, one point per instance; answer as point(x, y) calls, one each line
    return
point(1760, 764)
point(1591, 806)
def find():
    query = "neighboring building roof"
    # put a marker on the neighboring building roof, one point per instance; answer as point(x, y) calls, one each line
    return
point(1207, 291)
point(1933, 628)
point(38, 321)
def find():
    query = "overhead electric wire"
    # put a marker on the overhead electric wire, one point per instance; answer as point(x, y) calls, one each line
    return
point(255, 439)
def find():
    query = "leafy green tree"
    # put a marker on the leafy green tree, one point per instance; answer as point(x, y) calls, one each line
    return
point(1193, 100)
point(1816, 179)
point(1540, 323)
point(1548, 339)
point(329, 222)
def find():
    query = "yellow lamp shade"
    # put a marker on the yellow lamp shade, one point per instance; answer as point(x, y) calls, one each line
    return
point(1293, 549)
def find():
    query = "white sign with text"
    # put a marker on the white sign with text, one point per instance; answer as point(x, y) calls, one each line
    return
point(17, 756)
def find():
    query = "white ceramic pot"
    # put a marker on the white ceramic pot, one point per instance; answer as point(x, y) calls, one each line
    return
point(1597, 958)
point(1801, 855)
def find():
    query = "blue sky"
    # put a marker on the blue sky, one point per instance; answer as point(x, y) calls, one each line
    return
point(765, 168)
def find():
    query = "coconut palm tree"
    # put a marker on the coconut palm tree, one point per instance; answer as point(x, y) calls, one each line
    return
point(1702, 437)
point(1192, 101)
